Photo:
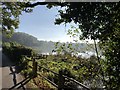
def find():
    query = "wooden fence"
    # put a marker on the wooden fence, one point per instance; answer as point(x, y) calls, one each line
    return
point(61, 77)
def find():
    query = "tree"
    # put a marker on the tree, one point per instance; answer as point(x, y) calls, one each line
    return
point(10, 16)
point(98, 21)
point(95, 20)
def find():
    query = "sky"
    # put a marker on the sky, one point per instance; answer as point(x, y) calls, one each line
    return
point(40, 24)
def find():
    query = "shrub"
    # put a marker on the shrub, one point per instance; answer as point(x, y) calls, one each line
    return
point(17, 53)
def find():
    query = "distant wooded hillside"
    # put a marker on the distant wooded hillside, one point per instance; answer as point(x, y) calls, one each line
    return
point(43, 46)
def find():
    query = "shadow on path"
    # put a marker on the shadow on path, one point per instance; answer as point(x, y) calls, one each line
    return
point(5, 61)
point(11, 75)
point(14, 75)
point(21, 84)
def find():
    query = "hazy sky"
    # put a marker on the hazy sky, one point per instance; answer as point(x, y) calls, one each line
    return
point(40, 23)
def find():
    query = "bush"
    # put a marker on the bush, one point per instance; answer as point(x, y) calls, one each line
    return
point(17, 53)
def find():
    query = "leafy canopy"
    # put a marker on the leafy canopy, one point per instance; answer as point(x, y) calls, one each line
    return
point(98, 21)
point(10, 16)
point(95, 20)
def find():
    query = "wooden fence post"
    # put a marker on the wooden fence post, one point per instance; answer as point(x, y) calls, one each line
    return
point(61, 81)
point(34, 68)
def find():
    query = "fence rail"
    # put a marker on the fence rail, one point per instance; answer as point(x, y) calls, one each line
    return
point(61, 77)
point(48, 80)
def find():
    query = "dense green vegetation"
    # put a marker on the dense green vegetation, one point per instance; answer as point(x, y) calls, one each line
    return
point(71, 66)
point(15, 51)
point(96, 21)
point(84, 70)
point(17, 54)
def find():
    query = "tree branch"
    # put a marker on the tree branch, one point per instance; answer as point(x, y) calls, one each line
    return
point(45, 3)
point(35, 4)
